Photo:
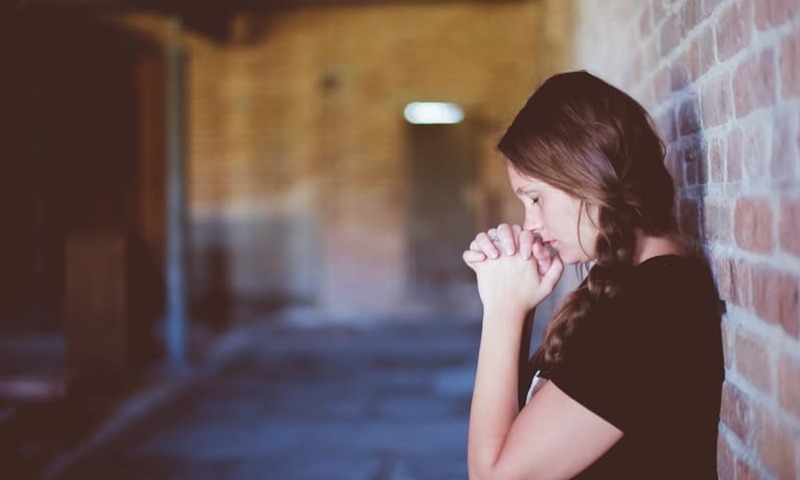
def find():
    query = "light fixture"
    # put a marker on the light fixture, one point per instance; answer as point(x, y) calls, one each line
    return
point(433, 113)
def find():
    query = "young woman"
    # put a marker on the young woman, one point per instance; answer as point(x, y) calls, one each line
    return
point(630, 370)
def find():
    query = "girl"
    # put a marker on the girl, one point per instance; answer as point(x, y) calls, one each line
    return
point(630, 370)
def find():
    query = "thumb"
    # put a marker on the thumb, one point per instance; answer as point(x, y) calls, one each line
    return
point(553, 274)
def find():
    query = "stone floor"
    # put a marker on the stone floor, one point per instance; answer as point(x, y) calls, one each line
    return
point(292, 402)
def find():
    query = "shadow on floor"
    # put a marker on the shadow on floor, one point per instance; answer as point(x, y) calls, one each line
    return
point(281, 401)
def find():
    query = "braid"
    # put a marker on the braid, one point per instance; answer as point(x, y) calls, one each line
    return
point(614, 261)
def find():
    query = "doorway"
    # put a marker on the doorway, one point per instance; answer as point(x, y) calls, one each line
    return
point(443, 170)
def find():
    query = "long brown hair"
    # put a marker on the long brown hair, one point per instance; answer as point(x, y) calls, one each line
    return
point(593, 141)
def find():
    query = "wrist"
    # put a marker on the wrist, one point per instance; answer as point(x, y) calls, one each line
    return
point(504, 317)
point(506, 311)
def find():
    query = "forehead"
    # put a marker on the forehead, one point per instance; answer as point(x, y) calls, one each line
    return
point(522, 183)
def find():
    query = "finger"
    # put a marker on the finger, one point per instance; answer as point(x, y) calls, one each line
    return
point(515, 231)
point(507, 240)
point(486, 245)
point(553, 274)
point(526, 244)
point(471, 257)
point(473, 245)
point(543, 256)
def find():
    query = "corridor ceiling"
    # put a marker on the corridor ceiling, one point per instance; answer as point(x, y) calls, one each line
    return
point(208, 17)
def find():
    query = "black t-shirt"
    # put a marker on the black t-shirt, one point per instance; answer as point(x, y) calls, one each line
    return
point(650, 362)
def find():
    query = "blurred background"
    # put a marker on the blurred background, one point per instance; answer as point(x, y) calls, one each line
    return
point(183, 175)
point(182, 170)
point(280, 128)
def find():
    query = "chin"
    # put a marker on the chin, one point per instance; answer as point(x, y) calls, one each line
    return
point(566, 257)
point(573, 259)
point(569, 260)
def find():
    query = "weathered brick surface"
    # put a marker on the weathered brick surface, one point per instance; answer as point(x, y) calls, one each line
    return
point(739, 62)
point(788, 386)
point(753, 224)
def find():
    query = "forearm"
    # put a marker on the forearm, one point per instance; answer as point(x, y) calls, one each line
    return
point(495, 396)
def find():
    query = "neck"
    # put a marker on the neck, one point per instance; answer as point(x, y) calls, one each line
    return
point(649, 246)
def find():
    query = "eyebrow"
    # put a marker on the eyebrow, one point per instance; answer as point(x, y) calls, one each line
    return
point(525, 190)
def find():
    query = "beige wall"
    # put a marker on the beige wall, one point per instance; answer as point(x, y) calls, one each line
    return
point(303, 186)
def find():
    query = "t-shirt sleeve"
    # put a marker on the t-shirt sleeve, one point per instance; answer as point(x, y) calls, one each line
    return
point(603, 369)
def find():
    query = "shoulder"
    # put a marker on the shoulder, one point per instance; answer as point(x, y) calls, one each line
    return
point(665, 268)
point(672, 281)
point(660, 298)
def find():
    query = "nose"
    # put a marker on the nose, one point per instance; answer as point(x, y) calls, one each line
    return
point(532, 221)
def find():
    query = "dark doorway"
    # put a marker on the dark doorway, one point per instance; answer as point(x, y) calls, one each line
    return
point(443, 170)
point(85, 164)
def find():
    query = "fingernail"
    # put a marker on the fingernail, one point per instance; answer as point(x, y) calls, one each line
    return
point(509, 251)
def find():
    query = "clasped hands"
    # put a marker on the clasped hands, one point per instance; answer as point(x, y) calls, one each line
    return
point(514, 269)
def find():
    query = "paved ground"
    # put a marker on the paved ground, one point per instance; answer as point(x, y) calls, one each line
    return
point(339, 403)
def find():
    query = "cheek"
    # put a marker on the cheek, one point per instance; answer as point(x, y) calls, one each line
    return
point(588, 234)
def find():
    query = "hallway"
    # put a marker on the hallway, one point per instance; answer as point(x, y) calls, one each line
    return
point(388, 402)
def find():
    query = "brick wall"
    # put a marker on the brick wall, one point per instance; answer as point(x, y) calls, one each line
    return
point(722, 78)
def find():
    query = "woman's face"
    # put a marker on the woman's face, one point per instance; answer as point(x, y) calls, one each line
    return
point(557, 217)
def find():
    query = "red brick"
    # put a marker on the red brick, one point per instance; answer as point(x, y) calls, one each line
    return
point(776, 445)
point(646, 21)
point(754, 83)
point(688, 217)
point(701, 53)
point(667, 127)
point(752, 360)
point(716, 103)
point(723, 274)
point(692, 149)
point(771, 13)
point(743, 279)
point(691, 15)
point(735, 154)
point(680, 73)
point(702, 169)
point(789, 384)
point(776, 298)
point(785, 150)
point(790, 226)
point(636, 69)
point(670, 34)
point(736, 412)
point(709, 6)
point(688, 116)
point(662, 84)
point(716, 158)
point(717, 219)
point(727, 343)
point(734, 279)
point(745, 472)
point(790, 59)
point(725, 459)
point(752, 225)
point(651, 53)
point(757, 142)
point(734, 29)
